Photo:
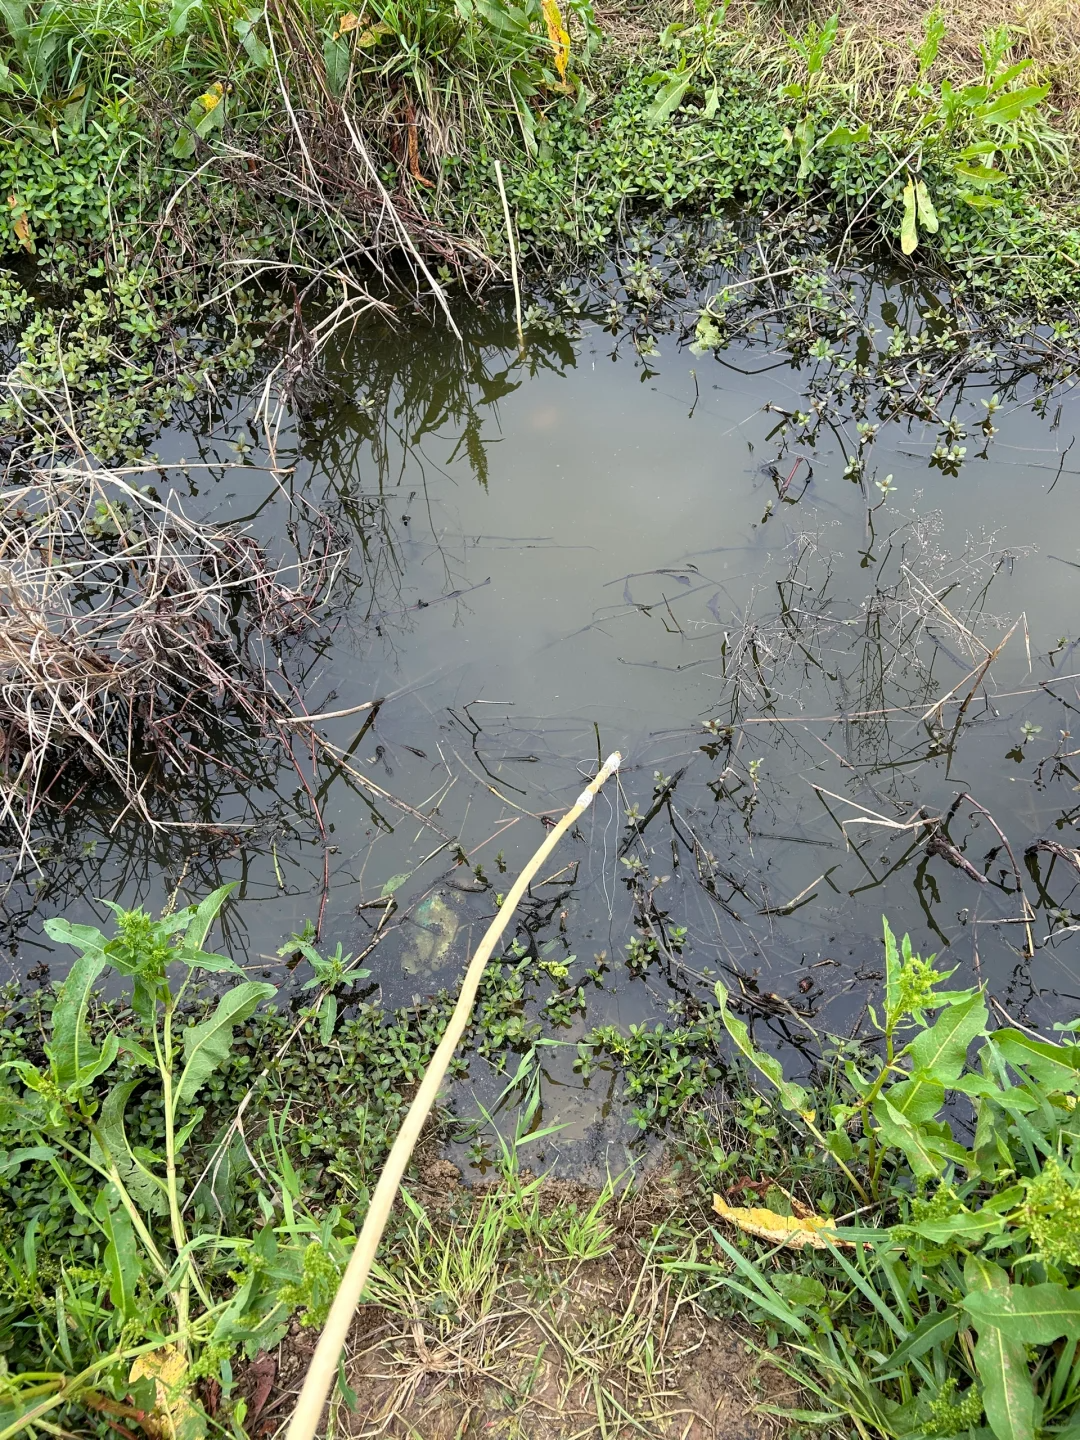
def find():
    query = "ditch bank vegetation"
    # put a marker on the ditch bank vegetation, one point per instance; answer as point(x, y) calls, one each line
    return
point(190, 189)
point(890, 1250)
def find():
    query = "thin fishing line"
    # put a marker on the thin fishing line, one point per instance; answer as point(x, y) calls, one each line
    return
point(609, 900)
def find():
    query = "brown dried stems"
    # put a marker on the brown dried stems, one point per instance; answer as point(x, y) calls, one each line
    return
point(133, 641)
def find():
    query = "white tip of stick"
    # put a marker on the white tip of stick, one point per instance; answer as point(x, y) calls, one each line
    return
point(610, 765)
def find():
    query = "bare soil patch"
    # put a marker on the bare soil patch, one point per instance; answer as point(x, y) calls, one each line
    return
point(544, 1346)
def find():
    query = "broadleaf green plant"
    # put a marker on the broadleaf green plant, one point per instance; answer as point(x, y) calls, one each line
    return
point(957, 1301)
point(151, 1278)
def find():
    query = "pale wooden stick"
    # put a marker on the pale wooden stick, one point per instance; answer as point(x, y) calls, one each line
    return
point(324, 1363)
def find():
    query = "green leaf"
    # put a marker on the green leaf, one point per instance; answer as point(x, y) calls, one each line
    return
point(207, 1045)
point(892, 970)
point(1030, 1314)
point(965, 1226)
point(909, 234)
point(1007, 1392)
point(977, 1086)
point(972, 96)
point(1004, 109)
point(792, 1096)
point(145, 1188)
point(394, 883)
point(1001, 1363)
point(800, 1289)
point(981, 1275)
point(981, 175)
point(86, 938)
point(99, 1063)
point(894, 1129)
point(206, 912)
point(184, 144)
point(804, 142)
point(840, 1144)
point(179, 15)
point(1008, 75)
point(522, 90)
point(183, 1135)
point(918, 1099)
point(336, 59)
point(511, 21)
point(941, 1051)
point(759, 1290)
point(121, 1256)
point(842, 138)
point(207, 114)
point(70, 1049)
point(327, 1017)
point(214, 964)
point(257, 52)
point(669, 100)
point(979, 202)
point(15, 1159)
point(1053, 1065)
point(931, 1330)
point(927, 214)
point(14, 13)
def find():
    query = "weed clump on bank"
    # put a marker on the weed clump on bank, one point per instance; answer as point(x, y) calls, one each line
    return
point(196, 181)
point(189, 1181)
point(131, 638)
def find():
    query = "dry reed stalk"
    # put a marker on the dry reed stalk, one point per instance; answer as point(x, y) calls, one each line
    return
point(133, 639)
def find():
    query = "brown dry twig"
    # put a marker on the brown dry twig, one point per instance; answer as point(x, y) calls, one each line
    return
point(133, 640)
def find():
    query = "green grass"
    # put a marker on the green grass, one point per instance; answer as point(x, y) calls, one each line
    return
point(162, 163)
point(180, 1176)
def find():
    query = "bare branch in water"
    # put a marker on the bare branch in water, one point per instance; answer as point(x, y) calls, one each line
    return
point(134, 641)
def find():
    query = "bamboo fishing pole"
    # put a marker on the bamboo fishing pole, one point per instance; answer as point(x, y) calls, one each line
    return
point(324, 1363)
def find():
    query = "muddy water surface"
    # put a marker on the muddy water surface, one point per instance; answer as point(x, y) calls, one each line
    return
point(580, 550)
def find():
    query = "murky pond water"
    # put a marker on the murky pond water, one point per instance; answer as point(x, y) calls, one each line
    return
point(802, 661)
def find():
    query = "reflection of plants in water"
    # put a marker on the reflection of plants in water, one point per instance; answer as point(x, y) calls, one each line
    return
point(398, 403)
point(417, 384)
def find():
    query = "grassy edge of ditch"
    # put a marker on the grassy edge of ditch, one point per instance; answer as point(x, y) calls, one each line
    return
point(183, 1172)
point(190, 190)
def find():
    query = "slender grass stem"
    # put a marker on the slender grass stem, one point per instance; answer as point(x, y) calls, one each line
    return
point(513, 255)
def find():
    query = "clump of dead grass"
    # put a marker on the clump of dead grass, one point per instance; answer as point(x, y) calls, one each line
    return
point(133, 640)
point(880, 41)
point(876, 59)
point(875, 56)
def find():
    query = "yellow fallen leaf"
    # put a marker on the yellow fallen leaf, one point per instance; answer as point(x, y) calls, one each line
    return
point(348, 22)
point(373, 34)
point(794, 1231)
point(23, 233)
point(557, 36)
point(174, 1417)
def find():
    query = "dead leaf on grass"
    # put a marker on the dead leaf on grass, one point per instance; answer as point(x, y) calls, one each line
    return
point(175, 1416)
point(794, 1231)
point(23, 233)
